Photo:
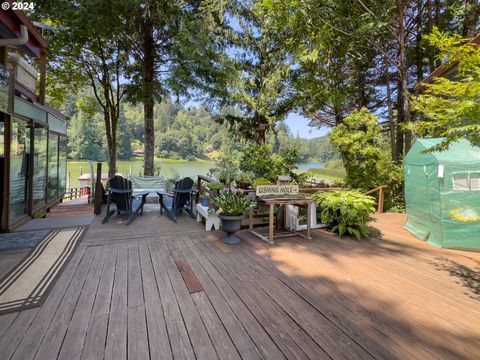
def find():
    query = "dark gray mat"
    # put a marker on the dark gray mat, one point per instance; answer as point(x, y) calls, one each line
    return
point(21, 240)
point(57, 222)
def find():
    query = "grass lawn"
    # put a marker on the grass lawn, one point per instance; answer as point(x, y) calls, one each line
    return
point(328, 175)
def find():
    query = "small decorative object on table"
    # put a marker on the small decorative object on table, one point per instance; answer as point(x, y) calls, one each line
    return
point(204, 199)
point(232, 209)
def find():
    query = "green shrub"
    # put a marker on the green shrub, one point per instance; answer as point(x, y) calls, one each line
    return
point(215, 185)
point(334, 164)
point(347, 211)
point(232, 205)
point(366, 156)
point(261, 181)
point(261, 162)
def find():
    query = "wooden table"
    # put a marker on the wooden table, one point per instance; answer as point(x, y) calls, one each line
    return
point(271, 202)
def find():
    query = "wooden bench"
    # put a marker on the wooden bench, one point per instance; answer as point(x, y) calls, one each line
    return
point(211, 220)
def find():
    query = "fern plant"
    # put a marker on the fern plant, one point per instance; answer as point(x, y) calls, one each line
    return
point(232, 205)
point(348, 211)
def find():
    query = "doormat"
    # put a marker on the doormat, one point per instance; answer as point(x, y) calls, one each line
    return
point(21, 240)
point(28, 284)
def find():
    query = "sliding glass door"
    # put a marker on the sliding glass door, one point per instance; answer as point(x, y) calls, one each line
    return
point(19, 169)
point(39, 180)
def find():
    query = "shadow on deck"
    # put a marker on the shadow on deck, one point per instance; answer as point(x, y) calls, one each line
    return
point(123, 296)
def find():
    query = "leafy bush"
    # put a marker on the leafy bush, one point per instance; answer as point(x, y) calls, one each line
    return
point(215, 185)
point(334, 164)
point(347, 211)
point(226, 167)
point(261, 162)
point(366, 156)
point(231, 204)
point(261, 181)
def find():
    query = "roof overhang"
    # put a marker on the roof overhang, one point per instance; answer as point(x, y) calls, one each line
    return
point(10, 21)
point(443, 70)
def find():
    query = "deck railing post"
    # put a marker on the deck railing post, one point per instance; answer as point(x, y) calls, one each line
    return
point(380, 200)
point(199, 186)
point(98, 190)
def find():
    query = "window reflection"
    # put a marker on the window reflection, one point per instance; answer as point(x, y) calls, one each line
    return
point(62, 165)
point(52, 187)
point(19, 168)
point(39, 166)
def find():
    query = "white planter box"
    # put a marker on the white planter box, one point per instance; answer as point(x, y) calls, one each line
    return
point(297, 218)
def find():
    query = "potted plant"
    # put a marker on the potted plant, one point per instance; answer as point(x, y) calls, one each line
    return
point(232, 209)
point(244, 181)
point(204, 199)
point(214, 188)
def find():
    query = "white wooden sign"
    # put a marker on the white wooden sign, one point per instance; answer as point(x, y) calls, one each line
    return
point(264, 190)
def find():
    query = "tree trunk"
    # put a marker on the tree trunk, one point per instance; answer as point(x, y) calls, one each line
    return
point(431, 51)
point(261, 129)
point(471, 17)
point(111, 132)
point(149, 102)
point(401, 84)
point(418, 45)
point(438, 24)
point(391, 119)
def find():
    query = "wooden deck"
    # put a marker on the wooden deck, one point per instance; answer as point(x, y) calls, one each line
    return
point(122, 296)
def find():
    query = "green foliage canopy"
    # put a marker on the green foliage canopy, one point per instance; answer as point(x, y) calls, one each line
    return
point(450, 108)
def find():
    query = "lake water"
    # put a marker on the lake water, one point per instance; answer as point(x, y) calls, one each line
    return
point(311, 165)
point(183, 168)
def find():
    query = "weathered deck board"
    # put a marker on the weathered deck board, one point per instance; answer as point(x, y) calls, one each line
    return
point(33, 335)
point(226, 301)
point(73, 343)
point(199, 338)
point(116, 344)
point(122, 296)
point(94, 346)
point(157, 329)
point(179, 340)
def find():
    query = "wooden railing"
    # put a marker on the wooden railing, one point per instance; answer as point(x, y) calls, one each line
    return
point(75, 193)
point(381, 196)
point(201, 178)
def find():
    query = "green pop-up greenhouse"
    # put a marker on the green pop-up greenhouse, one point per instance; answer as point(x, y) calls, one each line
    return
point(442, 194)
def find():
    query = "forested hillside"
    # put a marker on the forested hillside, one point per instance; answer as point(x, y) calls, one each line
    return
point(180, 133)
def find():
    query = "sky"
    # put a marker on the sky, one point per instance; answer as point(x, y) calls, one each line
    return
point(299, 124)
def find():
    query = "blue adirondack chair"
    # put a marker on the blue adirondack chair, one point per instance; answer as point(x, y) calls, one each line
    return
point(121, 194)
point(181, 199)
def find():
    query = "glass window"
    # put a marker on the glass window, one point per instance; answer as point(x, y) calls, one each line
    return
point(460, 181)
point(39, 166)
point(52, 186)
point(475, 181)
point(2, 139)
point(62, 165)
point(19, 168)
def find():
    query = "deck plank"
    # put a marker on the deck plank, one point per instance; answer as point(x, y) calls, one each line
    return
point(72, 345)
point(137, 342)
point(229, 308)
point(94, 346)
point(265, 344)
point(159, 343)
point(289, 337)
point(69, 284)
point(55, 335)
point(214, 326)
point(382, 338)
point(116, 344)
point(199, 338)
point(179, 339)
